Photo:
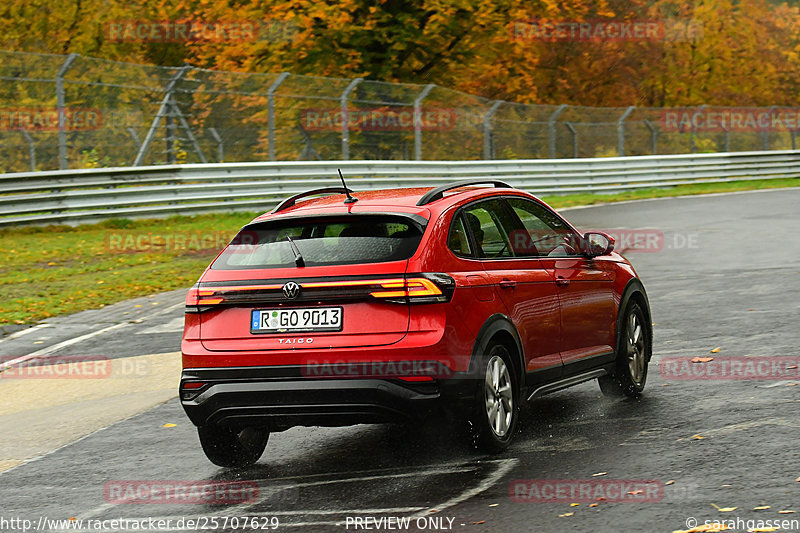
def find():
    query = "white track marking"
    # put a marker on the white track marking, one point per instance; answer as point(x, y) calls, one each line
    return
point(55, 347)
point(504, 466)
point(25, 331)
point(50, 350)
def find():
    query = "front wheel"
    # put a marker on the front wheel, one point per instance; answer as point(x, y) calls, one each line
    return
point(634, 347)
point(229, 447)
point(496, 410)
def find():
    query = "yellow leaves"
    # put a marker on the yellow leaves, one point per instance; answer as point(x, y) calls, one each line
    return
point(565, 515)
point(705, 528)
point(723, 509)
point(786, 511)
point(169, 425)
point(670, 482)
point(599, 474)
point(715, 350)
point(697, 437)
point(702, 359)
point(762, 507)
point(574, 504)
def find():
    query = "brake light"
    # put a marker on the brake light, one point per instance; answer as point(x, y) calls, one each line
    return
point(410, 287)
point(422, 288)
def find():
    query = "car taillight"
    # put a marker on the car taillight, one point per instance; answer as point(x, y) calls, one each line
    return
point(198, 300)
point(418, 288)
point(414, 288)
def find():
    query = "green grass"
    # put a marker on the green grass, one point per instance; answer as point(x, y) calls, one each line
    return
point(55, 270)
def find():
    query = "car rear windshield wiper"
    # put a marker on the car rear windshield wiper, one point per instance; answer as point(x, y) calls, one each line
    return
point(298, 257)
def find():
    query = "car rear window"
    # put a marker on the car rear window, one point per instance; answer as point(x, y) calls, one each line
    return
point(337, 240)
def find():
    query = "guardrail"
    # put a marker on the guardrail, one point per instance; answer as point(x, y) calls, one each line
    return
point(76, 196)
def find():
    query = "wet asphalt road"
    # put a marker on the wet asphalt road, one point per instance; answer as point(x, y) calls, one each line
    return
point(728, 276)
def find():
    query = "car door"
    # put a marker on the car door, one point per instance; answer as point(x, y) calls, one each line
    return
point(585, 285)
point(525, 286)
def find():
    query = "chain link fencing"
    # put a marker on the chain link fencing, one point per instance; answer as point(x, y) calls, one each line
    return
point(71, 111)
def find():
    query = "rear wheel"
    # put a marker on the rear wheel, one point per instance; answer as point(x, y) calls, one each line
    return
point(634, 347)
point(229, 447)
point(496, 410)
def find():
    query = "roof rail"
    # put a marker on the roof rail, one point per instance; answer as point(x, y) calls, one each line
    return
point(289, 202)
point(438, 192)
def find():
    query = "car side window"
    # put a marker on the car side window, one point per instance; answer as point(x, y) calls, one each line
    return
point(458, 240)
point(540, 233)
point(487, 222)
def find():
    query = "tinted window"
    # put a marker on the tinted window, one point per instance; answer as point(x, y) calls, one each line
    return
point(326, 241)
point(487, 222)
point(539, 232)
point(458, 241)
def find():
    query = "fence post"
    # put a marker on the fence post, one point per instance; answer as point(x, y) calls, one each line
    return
point(165, 103)
point(487, 129)
point(574, 133)
point(551, 127)
point(418, 120)
point(62, 133)
point(653, 135)
point(271, 113)
point(345, 120)
point(31, 149)
point(692, 146)
point(220, 145)
point(621, 130)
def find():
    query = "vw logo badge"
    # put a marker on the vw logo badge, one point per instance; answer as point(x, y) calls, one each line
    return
point(291, 290)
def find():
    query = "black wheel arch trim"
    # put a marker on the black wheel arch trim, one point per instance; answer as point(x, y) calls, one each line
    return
point(497, 323)
point(634, 287)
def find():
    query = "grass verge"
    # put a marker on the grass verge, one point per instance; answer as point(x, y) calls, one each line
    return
point(55, 270)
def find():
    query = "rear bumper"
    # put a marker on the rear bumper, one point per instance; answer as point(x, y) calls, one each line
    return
point(278, 398)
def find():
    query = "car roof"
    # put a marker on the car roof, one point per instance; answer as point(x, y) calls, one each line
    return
point(384, 200)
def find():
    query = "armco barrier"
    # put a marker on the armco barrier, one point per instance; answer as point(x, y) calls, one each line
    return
point(73, 196)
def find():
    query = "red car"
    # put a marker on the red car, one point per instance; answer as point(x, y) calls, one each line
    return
point(384, 306)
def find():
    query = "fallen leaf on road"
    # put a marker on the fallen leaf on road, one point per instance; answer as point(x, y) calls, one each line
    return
point(565, 515)
point(702, 359)
point(493, 504)
point(574, 504)
point(593, 504)
point(761, 507)
point(670, 482)
point(697, 437)
point(786, 511)
point(716, 350)
point(704, 528)
point(479, 523)
point(170, 425)
point(762, 530)
point(798, 480)
point(723, 509)
point(635, 492)
point(599, 474)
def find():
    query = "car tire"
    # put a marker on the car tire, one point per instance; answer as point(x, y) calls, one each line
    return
point(229, 447)
point(634, 348)
point(495, 414)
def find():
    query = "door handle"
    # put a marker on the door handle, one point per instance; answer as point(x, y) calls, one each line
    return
point(562, 282)
point(508, 284)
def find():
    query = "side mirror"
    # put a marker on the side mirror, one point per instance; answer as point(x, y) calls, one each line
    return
point(597, 243)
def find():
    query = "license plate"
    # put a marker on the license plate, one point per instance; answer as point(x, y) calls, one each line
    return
point(305, 319)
